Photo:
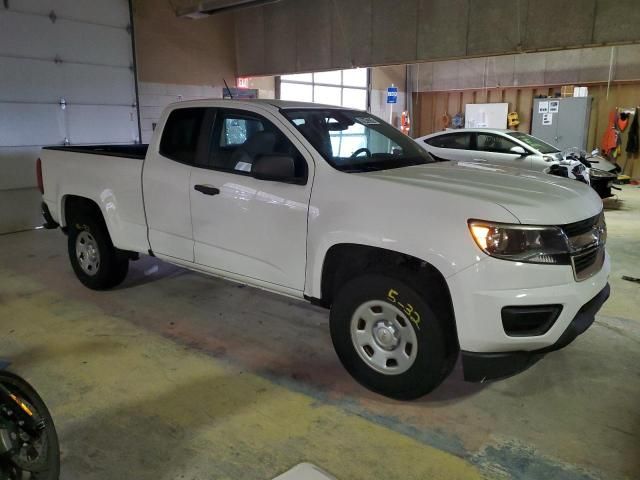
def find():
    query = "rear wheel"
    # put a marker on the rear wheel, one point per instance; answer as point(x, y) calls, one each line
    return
point(95, 261)
point(388, 337)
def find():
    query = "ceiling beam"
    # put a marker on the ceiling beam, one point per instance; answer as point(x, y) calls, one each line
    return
point(213, 7)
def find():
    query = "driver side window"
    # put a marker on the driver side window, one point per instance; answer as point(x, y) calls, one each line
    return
point(489, 142)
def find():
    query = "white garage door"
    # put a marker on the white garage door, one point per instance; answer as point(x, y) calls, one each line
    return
point(66, 76)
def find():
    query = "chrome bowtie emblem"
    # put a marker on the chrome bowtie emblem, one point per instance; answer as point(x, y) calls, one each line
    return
point(599, 233)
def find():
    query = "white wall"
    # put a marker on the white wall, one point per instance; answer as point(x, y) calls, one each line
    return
point(154, 97)
point(381, 79)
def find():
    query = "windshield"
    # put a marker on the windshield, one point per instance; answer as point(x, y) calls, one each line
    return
point(354, 141)
point(534, 142)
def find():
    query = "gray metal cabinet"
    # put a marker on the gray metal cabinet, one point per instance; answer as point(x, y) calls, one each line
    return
point(563, 122)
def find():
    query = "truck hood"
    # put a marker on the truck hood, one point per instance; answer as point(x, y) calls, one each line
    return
point(532, 197)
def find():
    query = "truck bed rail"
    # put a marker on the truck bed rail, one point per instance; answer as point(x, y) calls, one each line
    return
point(136, 151)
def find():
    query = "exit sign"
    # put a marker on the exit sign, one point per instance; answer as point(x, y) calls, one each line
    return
point(242, 82)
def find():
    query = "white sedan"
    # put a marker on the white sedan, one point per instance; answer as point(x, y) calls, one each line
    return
point(498, 147)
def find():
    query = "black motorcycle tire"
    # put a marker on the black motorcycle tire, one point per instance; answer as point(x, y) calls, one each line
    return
point(48, 468)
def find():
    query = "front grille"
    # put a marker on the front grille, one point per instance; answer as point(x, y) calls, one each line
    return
point(584, 260)
point(578, 228)
point(586, 240)
point(588, 263)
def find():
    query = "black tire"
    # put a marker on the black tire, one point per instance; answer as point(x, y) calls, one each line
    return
point(114, 264)
point(437, 347)
point(48, 466)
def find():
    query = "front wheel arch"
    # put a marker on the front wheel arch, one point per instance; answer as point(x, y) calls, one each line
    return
point(375, 318)
point(344, 262)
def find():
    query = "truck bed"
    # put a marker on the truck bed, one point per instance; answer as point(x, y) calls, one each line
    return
point(108, 175)
point(136, 151)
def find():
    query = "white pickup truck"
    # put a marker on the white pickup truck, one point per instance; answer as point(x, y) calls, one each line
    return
point(417, 258)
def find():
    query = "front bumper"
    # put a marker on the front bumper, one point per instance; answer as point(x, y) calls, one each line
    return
point(480, 292)
point(479, 367)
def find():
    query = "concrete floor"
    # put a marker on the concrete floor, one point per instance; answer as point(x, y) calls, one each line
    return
point(176, 375)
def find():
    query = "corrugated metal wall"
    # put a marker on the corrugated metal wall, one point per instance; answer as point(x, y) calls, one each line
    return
point(52, 50)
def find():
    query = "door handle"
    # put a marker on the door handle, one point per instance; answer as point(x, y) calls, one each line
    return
point(207, 189)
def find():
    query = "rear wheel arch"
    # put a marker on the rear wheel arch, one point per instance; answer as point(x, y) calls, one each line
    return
point(97, 263)
point(71, 205)
point(74, 205)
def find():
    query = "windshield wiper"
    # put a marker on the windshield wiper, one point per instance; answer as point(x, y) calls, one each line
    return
point(362, 168)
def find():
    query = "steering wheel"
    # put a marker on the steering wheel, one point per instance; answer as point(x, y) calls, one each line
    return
point(361, 150)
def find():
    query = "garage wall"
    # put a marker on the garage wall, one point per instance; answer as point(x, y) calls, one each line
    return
point(154, 97)
point(65, 77)
point(179, 58)
point(381, 79)
point(429, 108)
point(579, 66)
point(310, 35)
point(445, 87)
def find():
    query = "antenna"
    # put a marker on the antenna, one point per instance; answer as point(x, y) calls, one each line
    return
point(228, 89)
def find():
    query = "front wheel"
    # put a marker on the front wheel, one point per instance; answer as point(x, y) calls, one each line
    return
point(388, 337)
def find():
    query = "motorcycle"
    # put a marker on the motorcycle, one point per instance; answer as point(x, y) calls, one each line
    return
point(29, 446)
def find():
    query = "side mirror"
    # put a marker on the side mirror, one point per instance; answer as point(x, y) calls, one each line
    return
point(519, 151)
point(275, 168)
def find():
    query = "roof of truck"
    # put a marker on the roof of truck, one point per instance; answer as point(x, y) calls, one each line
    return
point(290, 104)
point(279, 104)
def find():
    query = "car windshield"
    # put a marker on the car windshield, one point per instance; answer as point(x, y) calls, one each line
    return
point(355, 141)
point(533, 142)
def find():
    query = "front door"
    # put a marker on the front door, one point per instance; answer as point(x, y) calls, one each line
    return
point(496, 149)
point(244, 226)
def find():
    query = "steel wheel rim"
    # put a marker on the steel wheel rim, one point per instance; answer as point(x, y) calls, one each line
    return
point(384, 337)
point(87, 253)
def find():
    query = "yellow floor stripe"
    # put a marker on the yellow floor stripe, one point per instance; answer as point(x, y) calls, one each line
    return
point(132, 404)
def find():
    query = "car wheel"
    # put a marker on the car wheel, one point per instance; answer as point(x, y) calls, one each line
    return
point(95, 261)
point(388, 337)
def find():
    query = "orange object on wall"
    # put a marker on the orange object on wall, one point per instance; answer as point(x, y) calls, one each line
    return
point(623, 121)
point(610, 137)
point(405, 123)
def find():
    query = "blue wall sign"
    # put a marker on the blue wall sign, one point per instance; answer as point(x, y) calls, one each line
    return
point(392, 95)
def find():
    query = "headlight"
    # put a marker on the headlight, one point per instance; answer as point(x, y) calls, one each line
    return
point(521, 243)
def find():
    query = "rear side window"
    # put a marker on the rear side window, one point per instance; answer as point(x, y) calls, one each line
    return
point(240, 138)
point(181, 133)
point(458, 141)
point(236, 131)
